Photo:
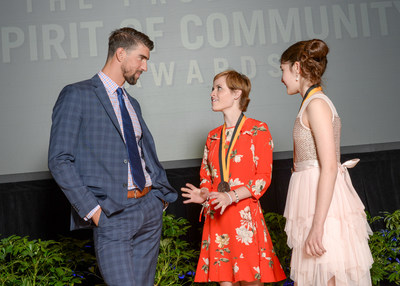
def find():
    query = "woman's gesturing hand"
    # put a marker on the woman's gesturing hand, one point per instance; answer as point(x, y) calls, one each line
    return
point(194, 194)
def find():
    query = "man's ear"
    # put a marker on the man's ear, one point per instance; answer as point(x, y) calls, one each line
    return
point(120, 54)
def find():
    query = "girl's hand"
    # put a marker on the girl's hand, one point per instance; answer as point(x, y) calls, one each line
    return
point(313, 245)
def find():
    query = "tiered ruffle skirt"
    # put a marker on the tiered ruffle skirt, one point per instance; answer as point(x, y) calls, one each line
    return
point(346, 230)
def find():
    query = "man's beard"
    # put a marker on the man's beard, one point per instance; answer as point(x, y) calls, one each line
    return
point(130, 79)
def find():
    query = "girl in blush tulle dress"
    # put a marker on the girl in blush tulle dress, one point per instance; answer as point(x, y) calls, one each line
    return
point(325, 220)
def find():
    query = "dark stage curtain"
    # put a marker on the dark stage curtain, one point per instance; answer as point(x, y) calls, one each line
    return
point(40, 210)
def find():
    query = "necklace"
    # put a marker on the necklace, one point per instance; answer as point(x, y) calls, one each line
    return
point(310, 91)
point(223, 186)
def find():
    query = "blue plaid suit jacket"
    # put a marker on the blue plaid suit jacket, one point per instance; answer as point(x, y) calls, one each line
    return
point(88, 156)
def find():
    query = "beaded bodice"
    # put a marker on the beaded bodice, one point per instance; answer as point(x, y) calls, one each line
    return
point(304, 143)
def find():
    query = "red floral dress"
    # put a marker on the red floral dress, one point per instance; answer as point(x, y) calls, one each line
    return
point(236, 245)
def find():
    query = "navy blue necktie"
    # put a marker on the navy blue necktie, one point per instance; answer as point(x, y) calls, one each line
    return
point(130, 138)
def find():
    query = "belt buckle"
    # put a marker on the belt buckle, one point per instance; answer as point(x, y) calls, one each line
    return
point(135, 190)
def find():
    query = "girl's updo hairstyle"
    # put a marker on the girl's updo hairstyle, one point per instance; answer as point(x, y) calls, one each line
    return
point(311, 55)
point(237, 81)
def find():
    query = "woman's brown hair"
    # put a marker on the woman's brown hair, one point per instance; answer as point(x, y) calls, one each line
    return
point(311, 55)
point(237, 81)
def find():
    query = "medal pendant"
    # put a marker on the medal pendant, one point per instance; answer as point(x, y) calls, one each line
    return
point(223, 187)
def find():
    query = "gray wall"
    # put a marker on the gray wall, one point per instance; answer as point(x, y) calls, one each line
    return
point(48, 44)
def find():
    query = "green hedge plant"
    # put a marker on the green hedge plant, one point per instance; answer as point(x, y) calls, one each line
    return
point(276, 228)
point(36, 262)
point(385, 248)
point(70, 261)
point(177, 259)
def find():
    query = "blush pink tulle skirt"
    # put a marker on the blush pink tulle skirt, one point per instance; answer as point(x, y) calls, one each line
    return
point(346, 232)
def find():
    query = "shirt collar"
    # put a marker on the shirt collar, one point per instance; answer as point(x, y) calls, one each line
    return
point(109, 84)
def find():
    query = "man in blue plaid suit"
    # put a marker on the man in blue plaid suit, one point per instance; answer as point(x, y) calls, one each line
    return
point(89, 160)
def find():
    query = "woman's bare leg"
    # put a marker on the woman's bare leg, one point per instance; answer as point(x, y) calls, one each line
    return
point(225, 283)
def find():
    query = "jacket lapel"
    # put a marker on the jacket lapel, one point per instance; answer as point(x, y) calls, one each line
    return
point(101, 93)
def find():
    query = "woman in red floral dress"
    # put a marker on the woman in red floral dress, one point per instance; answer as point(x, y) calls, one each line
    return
point(236, 248)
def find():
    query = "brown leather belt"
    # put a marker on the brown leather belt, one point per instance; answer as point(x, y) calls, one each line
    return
point(136, 193)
